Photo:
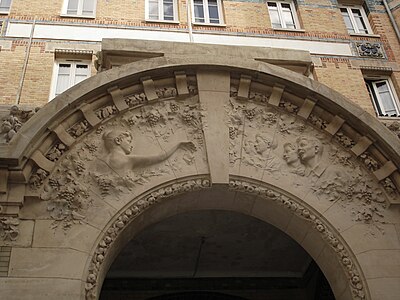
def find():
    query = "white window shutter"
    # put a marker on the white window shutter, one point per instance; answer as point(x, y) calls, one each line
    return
point(88, 7)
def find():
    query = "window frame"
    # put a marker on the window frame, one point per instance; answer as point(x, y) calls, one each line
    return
point(161, 12)
point(207, 16)
point(3, 12)
point(293, 10)
point(64, 11)
point(72, 73)
point(353, 22)
point(376, 99)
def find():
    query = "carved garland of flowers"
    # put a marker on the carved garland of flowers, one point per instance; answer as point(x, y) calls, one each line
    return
point(300, 209)
point(127, 216)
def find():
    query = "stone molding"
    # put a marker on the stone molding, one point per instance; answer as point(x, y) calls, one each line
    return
point(66, 120)
point(295, 206)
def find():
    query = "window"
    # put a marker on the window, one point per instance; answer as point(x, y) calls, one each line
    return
point(161, 10)
point(355, 19)
point(5, 6)
point(207, 11)
point(79, 8)
point(384, 98)
point(283, 15)
point(68, 73)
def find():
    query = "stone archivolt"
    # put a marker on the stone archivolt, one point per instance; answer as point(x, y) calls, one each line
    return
point(270, 129)
point(100, 151)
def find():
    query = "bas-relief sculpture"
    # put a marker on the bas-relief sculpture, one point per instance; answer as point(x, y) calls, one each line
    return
point(273, 144)
point(14, 121)
point(120, 155)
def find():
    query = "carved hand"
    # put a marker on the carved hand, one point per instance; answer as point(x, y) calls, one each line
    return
point(187, 146)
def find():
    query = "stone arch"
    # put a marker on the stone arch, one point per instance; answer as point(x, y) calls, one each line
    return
point(239, 115)
point(284, 211)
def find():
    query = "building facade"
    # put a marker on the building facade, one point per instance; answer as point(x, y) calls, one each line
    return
point(134, 128)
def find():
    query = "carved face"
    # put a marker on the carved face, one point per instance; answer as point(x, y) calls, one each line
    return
point(306, 149)
point(290, 154)
point(125, 142)
point(262, 144)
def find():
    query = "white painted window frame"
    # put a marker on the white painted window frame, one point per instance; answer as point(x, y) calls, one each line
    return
point(161, 12)
point(378, 100)
point(8, 11)
point(80, 9)
point(292, 9)
point(56, 67)
point(353, 21)
point(206, 14)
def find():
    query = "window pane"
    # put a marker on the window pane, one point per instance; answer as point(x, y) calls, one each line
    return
point(153, 10)
point(72, 8)
point(198, 11)
point(5, 5)
point(386, 98)
point(287, 16)
point(168, 10)
point(88, 7)
point(347, 20)
point(213, 11)
point(274, 15)
point(81, 73)
point(63, 78)
point(360, 24)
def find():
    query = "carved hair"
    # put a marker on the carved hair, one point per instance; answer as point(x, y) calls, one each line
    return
point(315, 142)
point(272, 142)
point(113, 137)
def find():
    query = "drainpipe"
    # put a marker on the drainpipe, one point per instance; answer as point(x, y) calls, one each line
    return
point(189, 20)
point(28, 51)
point(392, 20)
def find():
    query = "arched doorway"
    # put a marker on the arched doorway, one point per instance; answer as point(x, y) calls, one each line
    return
point(214, 254)
point(138, 144)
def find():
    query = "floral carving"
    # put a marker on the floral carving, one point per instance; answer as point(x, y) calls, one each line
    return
point(394, 127)
point(9, 228)
point(79, 128)
point(344, 140)
point(135, 99)
point(56, 151)
point(126, 217)
point(167, 92)
point(370, 49)
point(301, 210)
point(317, 121)
point(106, 111)
point(14, 121)
point(37, 178)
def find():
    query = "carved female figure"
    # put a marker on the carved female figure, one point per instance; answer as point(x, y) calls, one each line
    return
point(118, 145)
point(291, 157)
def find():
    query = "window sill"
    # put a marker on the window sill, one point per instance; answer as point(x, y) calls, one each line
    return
point(385, 118)
point(289, 30)
point(162, 21)
point(365, 35)
point(209, 24)
point(4, 12)
point(77, 16)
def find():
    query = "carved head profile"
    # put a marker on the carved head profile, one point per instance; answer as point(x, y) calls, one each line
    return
point(115, 139)
point(262, 144)
point(308, 148)
point(290, 153)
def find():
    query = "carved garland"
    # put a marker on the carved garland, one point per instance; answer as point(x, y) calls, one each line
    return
point(238, 184)
point(305, 212)
point(127, 217)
